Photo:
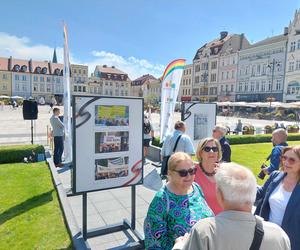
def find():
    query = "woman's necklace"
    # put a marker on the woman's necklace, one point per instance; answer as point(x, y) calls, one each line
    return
point(205, 172)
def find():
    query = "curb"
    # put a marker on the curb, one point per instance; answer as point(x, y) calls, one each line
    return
point(77, 239)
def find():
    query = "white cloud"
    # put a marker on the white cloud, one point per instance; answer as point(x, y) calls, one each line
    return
point(134, 67)
point(23, 48)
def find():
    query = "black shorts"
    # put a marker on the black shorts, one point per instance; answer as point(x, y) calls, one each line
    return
point(147, 142)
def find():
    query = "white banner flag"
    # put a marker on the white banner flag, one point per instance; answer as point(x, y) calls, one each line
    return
point(67, 101)
point(170, 88)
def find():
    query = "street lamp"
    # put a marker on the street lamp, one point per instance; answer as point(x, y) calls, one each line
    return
point(271, 66)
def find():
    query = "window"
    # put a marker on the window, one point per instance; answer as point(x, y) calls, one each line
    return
point(270, 86)
point(197, 68)
point(204, 66)
point(253, 71)
point(222, 75)
point(231, 88)
point(233, 60)
point(4, 86)
point(263, 86)
point(258, 69)
point(17, 87)
point(293, 46)
point(214, 65)
point(35, 87)
point(298, 65)
point(252, 86)
point(48, 88)
point(240, 87)
point(264, 69)
point(35, 78)
point(42, 87)
point(17, 77)
point(79, 71)
point(24, 77)
point(278, 84)
point(298, 44)
point(291, 66)
point(226, 88)
point(222, 88)
point(197, 79)
point(4, 76)
point(227, 75)
point(75, 78)
point(75, 88)
point(24, 87)
point(75, 71)
point(48, 79)
point(83, 71)
point(213, 77)
point(42, 79)
point(257, 86)
point(57, 80)
point(246, 86)
point(232, 74)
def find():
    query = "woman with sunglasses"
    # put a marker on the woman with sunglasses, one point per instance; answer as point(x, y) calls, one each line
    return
point(279, 197)
point(176, 207)
point(209, 153)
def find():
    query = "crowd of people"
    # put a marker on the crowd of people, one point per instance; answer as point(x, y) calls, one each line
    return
point(210, 204)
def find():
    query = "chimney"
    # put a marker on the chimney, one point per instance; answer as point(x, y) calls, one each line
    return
point(10, 63)
point(30, 65)
point(223, 34)
point(241, 40)
point(113, 67)
point(285, 31)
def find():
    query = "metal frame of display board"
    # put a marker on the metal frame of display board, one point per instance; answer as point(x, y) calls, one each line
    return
point(125, 225)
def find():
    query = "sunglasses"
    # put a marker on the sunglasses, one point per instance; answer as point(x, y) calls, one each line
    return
point(290, 160)
point(208, 149)
point(184, 172)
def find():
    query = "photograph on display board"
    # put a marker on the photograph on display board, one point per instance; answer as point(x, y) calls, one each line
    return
point(111, 115)
point(106, 142)
point(200, 126)
point(111, 168)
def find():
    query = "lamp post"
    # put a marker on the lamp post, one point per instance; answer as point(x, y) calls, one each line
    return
point(271, 66)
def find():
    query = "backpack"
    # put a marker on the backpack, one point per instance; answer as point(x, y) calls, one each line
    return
point(147, 127)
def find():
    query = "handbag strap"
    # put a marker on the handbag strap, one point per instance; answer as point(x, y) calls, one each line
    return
point(178, 138)
point(258, 235)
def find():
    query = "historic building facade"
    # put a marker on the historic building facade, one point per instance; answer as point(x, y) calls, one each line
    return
point(207, 70)
point(185, 91)
point(5, 78)
point(261, 70)
point(292, 69)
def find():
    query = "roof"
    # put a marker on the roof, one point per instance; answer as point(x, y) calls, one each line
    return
point(3, 63)
point(40, 64)
point(21, 62)
point(141, 80)
point(216, 43)
point(109, 70)
point(270, 40)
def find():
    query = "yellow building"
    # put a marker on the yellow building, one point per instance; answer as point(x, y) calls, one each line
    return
point(5, 77)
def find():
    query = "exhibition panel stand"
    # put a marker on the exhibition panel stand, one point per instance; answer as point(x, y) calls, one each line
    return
point(107, 154)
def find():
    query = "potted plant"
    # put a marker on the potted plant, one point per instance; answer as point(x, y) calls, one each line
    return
point(268, 129)
point(248, 130)
point(292, 128)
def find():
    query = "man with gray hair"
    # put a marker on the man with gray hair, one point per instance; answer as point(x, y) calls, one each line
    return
point(279, 137)
point(236, 227)
point(176, 142)
point(219, 133)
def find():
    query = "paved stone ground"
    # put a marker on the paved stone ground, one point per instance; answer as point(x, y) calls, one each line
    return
point(112, 206)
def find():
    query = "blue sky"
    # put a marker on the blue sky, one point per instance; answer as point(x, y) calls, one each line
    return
point(138, 36)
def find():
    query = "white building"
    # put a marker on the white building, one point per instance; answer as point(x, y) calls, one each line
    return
point(185, 90)
point(292, 77)
point(261, 70)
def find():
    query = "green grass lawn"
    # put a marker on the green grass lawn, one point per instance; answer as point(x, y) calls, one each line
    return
point(253, 155)
point(30, 215)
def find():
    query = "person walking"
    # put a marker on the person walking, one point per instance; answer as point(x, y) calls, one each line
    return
point(219, 133)
point(236, 228)
point(148, 134)
point(279, 137)
point(58, 134)
point(176, 142)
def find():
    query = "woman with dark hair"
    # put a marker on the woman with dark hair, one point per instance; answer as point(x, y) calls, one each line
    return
point(176, 207)
point(209, 154)
point(279, 197)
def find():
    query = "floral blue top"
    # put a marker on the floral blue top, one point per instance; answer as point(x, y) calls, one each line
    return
point(171, 216)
